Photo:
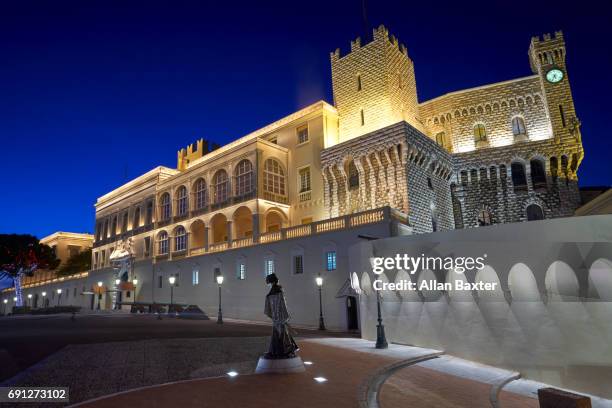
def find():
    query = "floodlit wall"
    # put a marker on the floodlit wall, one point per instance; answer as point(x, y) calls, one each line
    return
point(550, 317)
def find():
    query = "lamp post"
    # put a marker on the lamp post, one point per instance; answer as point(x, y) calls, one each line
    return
point(220, 315)
point(135, 282)
point(4, 302)
point(118, 294)
point(172, 280)
point(59, 295)
point(319, 281)
point(100, 284)
point(44, 295)
point(381, 340)
point(29, 299)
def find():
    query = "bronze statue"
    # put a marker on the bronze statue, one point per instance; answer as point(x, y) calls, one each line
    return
point(282, 344)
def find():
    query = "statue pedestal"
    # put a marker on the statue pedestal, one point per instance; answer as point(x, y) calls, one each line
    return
point(279, 366)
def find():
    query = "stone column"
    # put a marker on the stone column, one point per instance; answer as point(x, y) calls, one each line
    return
point(363, 202)
point(255, 228)
point(206, 238)
point(373, 183)
point(326, 187)
point(335, 206)
point(229, 232)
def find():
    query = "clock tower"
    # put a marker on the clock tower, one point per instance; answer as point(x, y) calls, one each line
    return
point(547, 59)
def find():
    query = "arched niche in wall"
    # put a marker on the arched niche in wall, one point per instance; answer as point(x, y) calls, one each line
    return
point(561, 282)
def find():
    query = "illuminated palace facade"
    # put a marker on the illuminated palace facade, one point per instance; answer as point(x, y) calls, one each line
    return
point(293, 196)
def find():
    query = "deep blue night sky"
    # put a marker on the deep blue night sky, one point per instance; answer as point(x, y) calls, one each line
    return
point(95, 93)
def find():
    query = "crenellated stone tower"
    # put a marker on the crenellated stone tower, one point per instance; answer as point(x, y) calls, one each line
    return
point(374, 86)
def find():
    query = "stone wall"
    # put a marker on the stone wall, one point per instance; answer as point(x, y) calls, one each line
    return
point(397, 166)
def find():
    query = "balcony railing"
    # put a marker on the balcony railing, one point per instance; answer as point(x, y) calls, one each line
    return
point(385, 214)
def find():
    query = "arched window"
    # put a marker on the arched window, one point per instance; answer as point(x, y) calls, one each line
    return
point(182, 204)
point(534, 212)
point(136, 222)
point(480, 132)
point(199, 189)
point(162, 242)
point(221, 186)
point(244, 177)
point(518, 176)
point(353, 176)
point(484, 218)
point(274, 177)
point(180, 239)
point(554, 166)
point(518, 126)
point(538, 174)
point(165, 207)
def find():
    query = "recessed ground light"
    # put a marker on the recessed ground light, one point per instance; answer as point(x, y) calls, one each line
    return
point(232, 373)
point(307, 362)
point(320, 379)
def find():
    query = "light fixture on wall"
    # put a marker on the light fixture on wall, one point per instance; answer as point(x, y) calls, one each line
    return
point(172, 280)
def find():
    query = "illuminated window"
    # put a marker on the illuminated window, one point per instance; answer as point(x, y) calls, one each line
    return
point(180, 239)
point(304, 179)
point(480, 132)
point(330, 260)
point(274, 177)
point(244, 177)
point(165, 206)
point(221, 186)
point(269, 266)
point(518, 126)
point(241, 270)
point(484, 218)
point(195, 277)
point(200, 194)
point(302, 134)
point(182, 204)
point(162, 240)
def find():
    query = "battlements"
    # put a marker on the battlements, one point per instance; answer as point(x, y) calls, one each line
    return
point(380, 34)
point(546, 37)
point(194, 151)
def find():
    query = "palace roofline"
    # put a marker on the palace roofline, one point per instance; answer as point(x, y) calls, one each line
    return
point(525, 78)
point(63, 234)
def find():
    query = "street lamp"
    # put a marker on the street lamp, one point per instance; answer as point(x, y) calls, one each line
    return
point(135, 282)
point(30, 299)
point(5, 301)
point(44, 294)
point(100, 284)
point(381, 340)
point(220, 315)
point(59, 295)
point(172, 280)
point(319, 281)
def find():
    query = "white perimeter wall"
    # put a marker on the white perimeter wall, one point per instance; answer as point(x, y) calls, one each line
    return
point(242, 299)
point(550, 319)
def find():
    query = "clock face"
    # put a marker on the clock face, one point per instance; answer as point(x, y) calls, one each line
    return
point(554, 75)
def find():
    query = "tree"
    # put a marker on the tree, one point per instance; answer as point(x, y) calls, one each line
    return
point(21, 255)
point(80, 262)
